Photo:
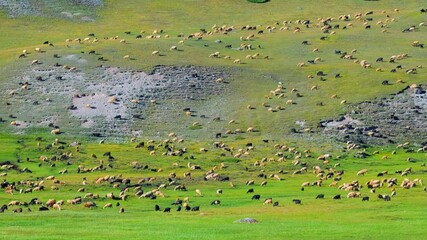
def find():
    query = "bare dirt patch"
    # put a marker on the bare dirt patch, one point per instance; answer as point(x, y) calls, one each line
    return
point(105, 101)
point(399, 118)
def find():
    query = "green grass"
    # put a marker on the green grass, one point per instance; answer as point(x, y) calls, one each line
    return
point(323, 218)
point(404, 216)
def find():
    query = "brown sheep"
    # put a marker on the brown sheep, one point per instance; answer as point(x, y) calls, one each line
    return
point(50, 202)
point(353, 194)
point(89, 205)
point(362, 172)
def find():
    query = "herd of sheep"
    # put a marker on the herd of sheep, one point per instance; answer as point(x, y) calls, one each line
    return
point(318, 169)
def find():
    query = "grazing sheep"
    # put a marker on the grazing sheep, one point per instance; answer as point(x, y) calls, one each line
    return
point(338, 196)
point(18, 210)
point(320, 196)
point(362, 172)
point(353, 194)
point(195, 209)
point(89, 204)
point(108, 205)
point(57, 207)
point(155, 53)
point(237, 61)
point(256, 197)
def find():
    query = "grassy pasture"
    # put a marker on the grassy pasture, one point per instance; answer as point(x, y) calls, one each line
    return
point(403, 217)
point(258, 76)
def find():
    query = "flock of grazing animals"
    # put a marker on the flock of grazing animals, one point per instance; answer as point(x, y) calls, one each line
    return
point(160, 187)
point(256, 33)
point(384, 185)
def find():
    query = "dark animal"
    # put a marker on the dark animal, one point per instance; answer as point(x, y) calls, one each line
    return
point(380, 59)
point(256, 197)
point(3, 208)
point(296, 201)
point(365, 199)
point(139, 36)
point(157, 208)
point(385, 197)
point(195, 209)
point(275, 204)
point(167, 209)
point(385, 82)
point(304, 42)
point(250, 190)
point(337, 196)
point(320, 196)
point(43, 208)
point(178, 209)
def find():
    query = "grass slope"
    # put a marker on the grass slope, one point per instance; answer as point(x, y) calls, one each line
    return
point(322, 219)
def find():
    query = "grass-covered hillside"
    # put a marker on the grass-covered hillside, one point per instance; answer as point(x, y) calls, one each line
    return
point(114, 111)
